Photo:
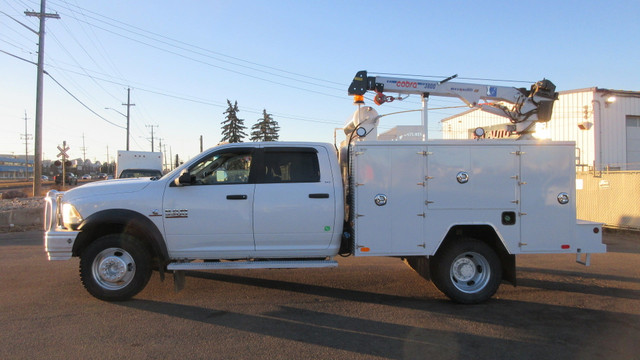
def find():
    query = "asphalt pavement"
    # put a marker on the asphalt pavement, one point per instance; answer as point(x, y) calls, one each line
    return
point(367, 308)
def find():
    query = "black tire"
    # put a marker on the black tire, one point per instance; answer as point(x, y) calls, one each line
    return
point(467, 271)
point(115, 267)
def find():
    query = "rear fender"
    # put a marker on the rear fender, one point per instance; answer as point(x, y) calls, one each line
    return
point(490, 236)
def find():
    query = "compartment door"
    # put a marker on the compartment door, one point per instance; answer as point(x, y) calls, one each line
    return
point(389, 195)
point(547, 225)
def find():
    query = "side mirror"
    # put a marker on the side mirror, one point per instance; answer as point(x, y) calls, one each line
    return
point(183, 179)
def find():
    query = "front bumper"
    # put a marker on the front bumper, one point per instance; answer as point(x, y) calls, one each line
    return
point(58, 242)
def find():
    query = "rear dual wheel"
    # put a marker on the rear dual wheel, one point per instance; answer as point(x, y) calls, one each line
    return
point(467, 271)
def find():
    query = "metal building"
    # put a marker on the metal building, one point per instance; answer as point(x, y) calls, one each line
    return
point(604, 123)
point(14, 167)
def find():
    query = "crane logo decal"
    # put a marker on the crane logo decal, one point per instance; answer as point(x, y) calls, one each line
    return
point(407, 84)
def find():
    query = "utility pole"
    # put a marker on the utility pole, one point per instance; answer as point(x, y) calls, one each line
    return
point(108, 164)
point(84, 153)
point(171, 157)
point(160, 147)
point(26, 138)
point(128, 105)
point(164, 157)
point(152, 126)
point(37, 157)
point(200, 143)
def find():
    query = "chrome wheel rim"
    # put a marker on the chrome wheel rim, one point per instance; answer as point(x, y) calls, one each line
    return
point(470, 272)
point(113, 268)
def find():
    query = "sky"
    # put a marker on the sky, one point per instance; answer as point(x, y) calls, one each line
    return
point(183, 60)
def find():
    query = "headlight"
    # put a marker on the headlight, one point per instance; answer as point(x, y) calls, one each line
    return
point(70, 216)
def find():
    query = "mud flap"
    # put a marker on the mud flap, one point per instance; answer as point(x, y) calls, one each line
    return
point(419, 264)
point(509, 268)
point(178, 280)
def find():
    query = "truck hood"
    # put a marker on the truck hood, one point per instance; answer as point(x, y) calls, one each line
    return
point(107, 187)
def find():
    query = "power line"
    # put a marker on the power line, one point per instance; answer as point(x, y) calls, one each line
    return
point(18, 57)
point(204, 55)
point(77, 62)
point(196, 47)
point(81, 103)
point(209, 103)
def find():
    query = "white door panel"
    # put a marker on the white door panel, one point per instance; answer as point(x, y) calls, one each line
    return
point(211, 212)
point(294, 216)
point(295, 202)
point(218, 218)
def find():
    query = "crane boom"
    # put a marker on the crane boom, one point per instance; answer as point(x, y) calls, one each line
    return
point(526, 106)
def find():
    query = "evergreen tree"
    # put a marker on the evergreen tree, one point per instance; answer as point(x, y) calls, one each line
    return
point(266, 129)
point(233, 127)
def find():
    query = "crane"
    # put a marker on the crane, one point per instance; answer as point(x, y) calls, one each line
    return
point(522, 107)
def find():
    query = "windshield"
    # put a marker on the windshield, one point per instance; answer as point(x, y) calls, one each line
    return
point(136, 173)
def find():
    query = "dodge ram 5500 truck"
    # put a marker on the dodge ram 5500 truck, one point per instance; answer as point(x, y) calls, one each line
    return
point(458, 212)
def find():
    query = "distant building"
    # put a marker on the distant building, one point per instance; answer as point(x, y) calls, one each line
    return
point(605, 124)
point(14, 167)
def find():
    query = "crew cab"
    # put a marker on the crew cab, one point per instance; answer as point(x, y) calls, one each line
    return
point(236, 201)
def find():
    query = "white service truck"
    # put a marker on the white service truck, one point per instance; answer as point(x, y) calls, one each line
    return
point(458, 212)
point(135, 164)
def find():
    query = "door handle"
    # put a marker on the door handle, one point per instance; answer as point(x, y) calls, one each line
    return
point(318, 196)
point(236, 197)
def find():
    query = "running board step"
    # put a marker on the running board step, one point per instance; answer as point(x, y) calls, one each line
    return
point(227, 265)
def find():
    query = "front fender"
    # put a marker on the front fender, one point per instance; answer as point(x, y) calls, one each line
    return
point(122, 221)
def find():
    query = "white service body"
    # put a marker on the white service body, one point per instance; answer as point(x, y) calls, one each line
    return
point(425, 200)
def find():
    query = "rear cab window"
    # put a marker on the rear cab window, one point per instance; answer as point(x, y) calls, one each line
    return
point(290, 165)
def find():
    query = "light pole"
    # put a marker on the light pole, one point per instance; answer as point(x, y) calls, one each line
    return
point(127, 117)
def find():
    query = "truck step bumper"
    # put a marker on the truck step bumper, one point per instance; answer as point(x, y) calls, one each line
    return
point(277, 264)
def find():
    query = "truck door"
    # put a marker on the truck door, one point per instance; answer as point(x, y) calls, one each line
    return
point(213, 213)
point(389, 190)
point(295, 200)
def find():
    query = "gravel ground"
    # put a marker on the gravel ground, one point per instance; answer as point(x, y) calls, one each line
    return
point(7, 206)
point(23, 203)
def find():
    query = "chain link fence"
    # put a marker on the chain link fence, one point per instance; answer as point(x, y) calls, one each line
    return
point(610, 197)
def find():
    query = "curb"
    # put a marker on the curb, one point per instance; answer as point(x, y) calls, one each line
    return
point(21, 217)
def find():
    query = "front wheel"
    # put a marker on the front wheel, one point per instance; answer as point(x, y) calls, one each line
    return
point(115, 267)
point(467, 271)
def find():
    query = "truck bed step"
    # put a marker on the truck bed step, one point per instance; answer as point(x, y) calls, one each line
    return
point(271, 264)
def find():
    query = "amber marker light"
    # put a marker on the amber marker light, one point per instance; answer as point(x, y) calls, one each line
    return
point(358, 99)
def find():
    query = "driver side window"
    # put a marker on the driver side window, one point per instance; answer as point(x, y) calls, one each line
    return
point(231, 167)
